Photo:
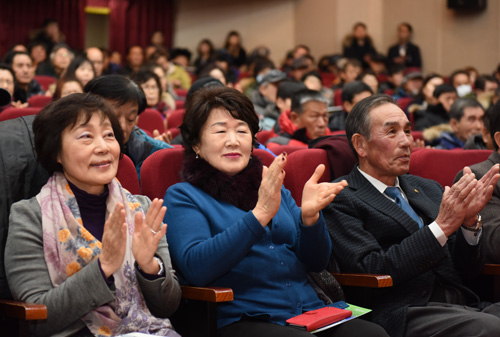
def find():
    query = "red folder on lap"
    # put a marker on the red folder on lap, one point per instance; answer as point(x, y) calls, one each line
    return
point(315, 319)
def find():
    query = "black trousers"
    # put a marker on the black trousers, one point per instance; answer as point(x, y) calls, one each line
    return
point(250, 328)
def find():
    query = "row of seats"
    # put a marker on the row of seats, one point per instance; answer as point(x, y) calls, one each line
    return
point(163, 168)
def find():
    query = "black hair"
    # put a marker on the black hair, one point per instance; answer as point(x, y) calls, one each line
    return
point(144, 75)
point(457, 72)
point(458, 107)
point(480, 82)
point(410, 28)
point(287, 88)
point(9, 57)
point(50, 123)
point(180, 52)
point(443, 88)
point(119, 89)
point(76, 63)
point(351, 89)
point(201, 104)
point(493, 115)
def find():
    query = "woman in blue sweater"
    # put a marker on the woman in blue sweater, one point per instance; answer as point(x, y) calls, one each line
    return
point(233, 224)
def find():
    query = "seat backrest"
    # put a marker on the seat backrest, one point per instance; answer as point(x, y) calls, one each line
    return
point(443, 165)
point(39, 101)
point(340, 155)
point(127, 175)
point(45, 81)
point(278, 149)
point(11, 113)
point(299, 168)
point(263, 136)
point(163, 168)
point(150, 120)
point(174, 118)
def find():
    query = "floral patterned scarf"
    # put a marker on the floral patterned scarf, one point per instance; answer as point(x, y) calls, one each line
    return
point(69, 247)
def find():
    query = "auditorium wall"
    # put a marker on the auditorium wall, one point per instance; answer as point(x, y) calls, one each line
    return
point(448, 39)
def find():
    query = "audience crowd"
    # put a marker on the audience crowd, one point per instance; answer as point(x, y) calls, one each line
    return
point(220, 104)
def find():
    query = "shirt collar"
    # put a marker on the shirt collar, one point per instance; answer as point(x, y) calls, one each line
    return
point(380, 186)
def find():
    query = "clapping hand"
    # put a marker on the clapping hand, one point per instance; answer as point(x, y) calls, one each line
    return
point(269, 200)
point(147, 235)
point(316, 196)
point(114, 241)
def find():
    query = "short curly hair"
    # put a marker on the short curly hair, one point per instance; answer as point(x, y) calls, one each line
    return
point(64, 113)
point(201, 104)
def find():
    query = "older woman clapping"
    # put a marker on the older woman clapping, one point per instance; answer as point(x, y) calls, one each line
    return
point(233, 224)
point(96, 276)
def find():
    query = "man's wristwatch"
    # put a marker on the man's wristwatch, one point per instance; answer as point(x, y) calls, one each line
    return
point(477, 228)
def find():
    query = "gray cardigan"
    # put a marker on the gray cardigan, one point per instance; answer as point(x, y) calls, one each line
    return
point(86, 290)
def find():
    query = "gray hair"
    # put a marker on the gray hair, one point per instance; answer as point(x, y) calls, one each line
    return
point(303, 96)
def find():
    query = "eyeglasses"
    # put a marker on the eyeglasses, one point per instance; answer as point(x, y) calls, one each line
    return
point(6, 82)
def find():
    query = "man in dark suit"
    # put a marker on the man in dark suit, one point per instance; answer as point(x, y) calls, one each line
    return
point(404, 52)
point(388, 222)
point(491, 212)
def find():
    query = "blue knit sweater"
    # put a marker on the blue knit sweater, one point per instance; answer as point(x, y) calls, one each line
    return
point(214, 243)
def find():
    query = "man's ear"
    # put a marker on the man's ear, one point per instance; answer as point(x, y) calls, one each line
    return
point(497, 138)
point(347, 106)
point(295, 117)
point(454, 124)
point(359, 143)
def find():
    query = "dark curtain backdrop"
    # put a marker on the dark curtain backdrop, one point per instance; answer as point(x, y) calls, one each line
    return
point(132, 22)
point(18, 18)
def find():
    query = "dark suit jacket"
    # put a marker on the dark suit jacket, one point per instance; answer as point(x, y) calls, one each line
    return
point(371, 234)
point(490, 214)
point(413, 58)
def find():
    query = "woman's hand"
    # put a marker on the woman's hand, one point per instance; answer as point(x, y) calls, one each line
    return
point(147, 235)
point(269, 200)
point(316, 196)
point(114, 241)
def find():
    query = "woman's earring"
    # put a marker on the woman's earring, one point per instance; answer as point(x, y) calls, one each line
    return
point(197, 155)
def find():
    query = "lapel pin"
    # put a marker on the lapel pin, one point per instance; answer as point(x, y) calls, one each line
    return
point(416, 191)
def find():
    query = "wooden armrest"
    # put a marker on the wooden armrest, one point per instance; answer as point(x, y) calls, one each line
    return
point(22, 310)
point(211, 294)
point(491, 269)
point(364, 280)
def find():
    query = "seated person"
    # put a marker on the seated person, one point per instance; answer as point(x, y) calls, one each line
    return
point(307, 121)
point(352, 93)
point(25, 83)
point(438, 113)
point(482, 141)
point(350, 69)
point(389, 222)
point(466, 120)
point(7, 82)
point(413, 81)
point(233, 224)
point(460, 80)
point(97, 275)
point(489, 214)
point(264, 99)
point(128, 101)
point(394, 79)
point(485, 87)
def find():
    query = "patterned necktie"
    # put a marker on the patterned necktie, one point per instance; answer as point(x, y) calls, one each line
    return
point(395, 194)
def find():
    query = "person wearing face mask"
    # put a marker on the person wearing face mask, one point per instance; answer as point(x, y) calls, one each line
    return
point(460, 79)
